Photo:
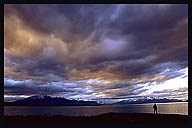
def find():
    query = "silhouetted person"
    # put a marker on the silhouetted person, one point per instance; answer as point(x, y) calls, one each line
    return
point(155, 108)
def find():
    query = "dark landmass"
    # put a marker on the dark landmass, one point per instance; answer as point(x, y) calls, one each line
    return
point(140, 101)
point(106, 118)
point(45, 100)
point(13, 104)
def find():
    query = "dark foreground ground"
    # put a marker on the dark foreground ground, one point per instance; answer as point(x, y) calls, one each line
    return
point(107, 118)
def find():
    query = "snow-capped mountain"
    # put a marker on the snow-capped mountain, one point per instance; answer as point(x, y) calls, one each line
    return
point(147, 100)
point(41, 96)
point(48, 100)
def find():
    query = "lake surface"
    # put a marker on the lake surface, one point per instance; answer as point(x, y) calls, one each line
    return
point(163, 108)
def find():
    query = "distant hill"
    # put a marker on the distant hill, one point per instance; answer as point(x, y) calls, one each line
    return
point(38, 100)
point(164, 100)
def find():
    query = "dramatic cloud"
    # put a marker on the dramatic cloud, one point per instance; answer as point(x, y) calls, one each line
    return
point(98, 52)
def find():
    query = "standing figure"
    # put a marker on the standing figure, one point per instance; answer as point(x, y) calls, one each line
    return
point(155, 108)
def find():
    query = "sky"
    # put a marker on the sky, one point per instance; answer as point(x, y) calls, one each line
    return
point(105, 53)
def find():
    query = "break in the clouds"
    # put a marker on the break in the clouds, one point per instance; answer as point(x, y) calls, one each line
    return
point(96, 52)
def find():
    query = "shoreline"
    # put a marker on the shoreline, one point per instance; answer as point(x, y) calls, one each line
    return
point(106, 118)
point(11, 104)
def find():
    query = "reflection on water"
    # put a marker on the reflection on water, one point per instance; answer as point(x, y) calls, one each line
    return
point(164, 108)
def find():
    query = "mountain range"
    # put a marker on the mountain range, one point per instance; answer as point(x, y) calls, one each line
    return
point(48, 100)
point(164, 100)
point(39, 100)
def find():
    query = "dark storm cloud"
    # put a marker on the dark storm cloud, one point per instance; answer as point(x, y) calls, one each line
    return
point(79, 20)
point(151, 26)
point(52, 43)
point(37, 66)
point(28, 87)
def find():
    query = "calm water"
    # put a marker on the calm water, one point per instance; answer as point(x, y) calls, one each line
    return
point(164, 108)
